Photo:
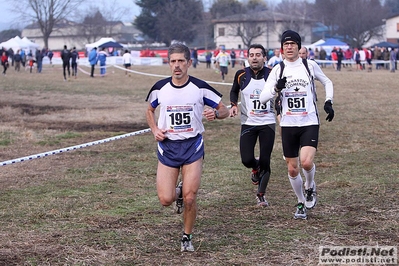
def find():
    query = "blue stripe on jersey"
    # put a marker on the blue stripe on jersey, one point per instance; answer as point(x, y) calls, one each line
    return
point(158, 86)
point(154, 104)
point(203, 85)
point(210, 103)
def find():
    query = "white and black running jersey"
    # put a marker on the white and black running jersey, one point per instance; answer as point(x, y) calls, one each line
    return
point(298, 99)
point(181, 107)
point(253, 112)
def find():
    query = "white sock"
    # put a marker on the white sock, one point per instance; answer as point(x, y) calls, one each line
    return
point(297, 185)
point(309, 177)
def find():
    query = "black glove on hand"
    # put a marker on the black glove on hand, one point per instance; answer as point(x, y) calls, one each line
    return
point(329, 110)
point(280, 84)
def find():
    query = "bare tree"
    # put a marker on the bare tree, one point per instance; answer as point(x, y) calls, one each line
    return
point(360, 21)
point(204, 30)
point(248, 27)
point(45, 13)
point(101, 20)
point(184, 15)
point(356, 21)
point(112, 12)
point(296, 14)
point(93, 26)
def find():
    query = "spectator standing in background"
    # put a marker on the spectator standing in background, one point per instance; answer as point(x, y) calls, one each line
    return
point(39, 61)
point(311, 55)
point(4, 62)
point(242, 57)
point(74, 62)
point(10, 54)
point(334, 57)
point(66, 57)
point(17, 60)
point(194, 56)
point(369, 57)
point(348, 55)
point(340, 56)
point(377, 56)
point(23, 58)
point(93, 60)
point(357, 58)
point(392, 59)
point(127, 61)
point(208, 59)
point(323, 56)
point(316, 53)
point(31, 61)
point(233, 58)
point(102, 57)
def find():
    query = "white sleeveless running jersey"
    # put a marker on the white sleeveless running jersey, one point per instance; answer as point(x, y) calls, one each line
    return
point(181, 107)
point(298, 99)
point(253, 112)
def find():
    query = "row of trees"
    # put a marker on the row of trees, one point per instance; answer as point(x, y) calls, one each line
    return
point(167, 20)
point(357, 21)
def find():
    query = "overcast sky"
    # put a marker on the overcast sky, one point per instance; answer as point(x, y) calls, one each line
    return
point(8, 17)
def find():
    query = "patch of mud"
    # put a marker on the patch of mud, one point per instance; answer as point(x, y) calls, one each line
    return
point(34, 110)
point(37, 110)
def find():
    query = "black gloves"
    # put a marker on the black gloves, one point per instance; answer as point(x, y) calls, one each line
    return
point(329, 110)
point(280, 84)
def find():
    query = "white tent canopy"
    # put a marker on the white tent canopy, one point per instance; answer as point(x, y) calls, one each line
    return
point(332, 43)
point(90, 46)
point(313, 45)
point(17, 43)
point(31, 45)
point(14, 43)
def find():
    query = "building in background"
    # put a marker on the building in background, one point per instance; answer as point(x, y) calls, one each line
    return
point(264, 27)
point(78, 35)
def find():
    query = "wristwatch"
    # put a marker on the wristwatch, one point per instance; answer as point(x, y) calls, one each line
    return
point(216, 114)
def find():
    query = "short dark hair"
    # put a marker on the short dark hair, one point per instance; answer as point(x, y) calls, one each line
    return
point(178, 48)
point(257, 46)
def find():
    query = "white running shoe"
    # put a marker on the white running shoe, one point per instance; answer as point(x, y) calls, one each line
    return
point(186, 244)
point(300, 211)
point(261, 201)
point(311, 197)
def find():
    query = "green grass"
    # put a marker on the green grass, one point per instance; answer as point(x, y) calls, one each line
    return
point(98, 205)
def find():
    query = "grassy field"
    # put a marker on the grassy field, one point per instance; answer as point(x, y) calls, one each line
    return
point(98, 205)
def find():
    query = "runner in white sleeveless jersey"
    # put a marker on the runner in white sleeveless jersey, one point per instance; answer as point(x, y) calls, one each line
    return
point(181, 99)
point(299, 116)
point(257, 120)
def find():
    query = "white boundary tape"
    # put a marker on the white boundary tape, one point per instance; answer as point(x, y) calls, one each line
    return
point(72, 148)
point(88, 144)
point(146, 74)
